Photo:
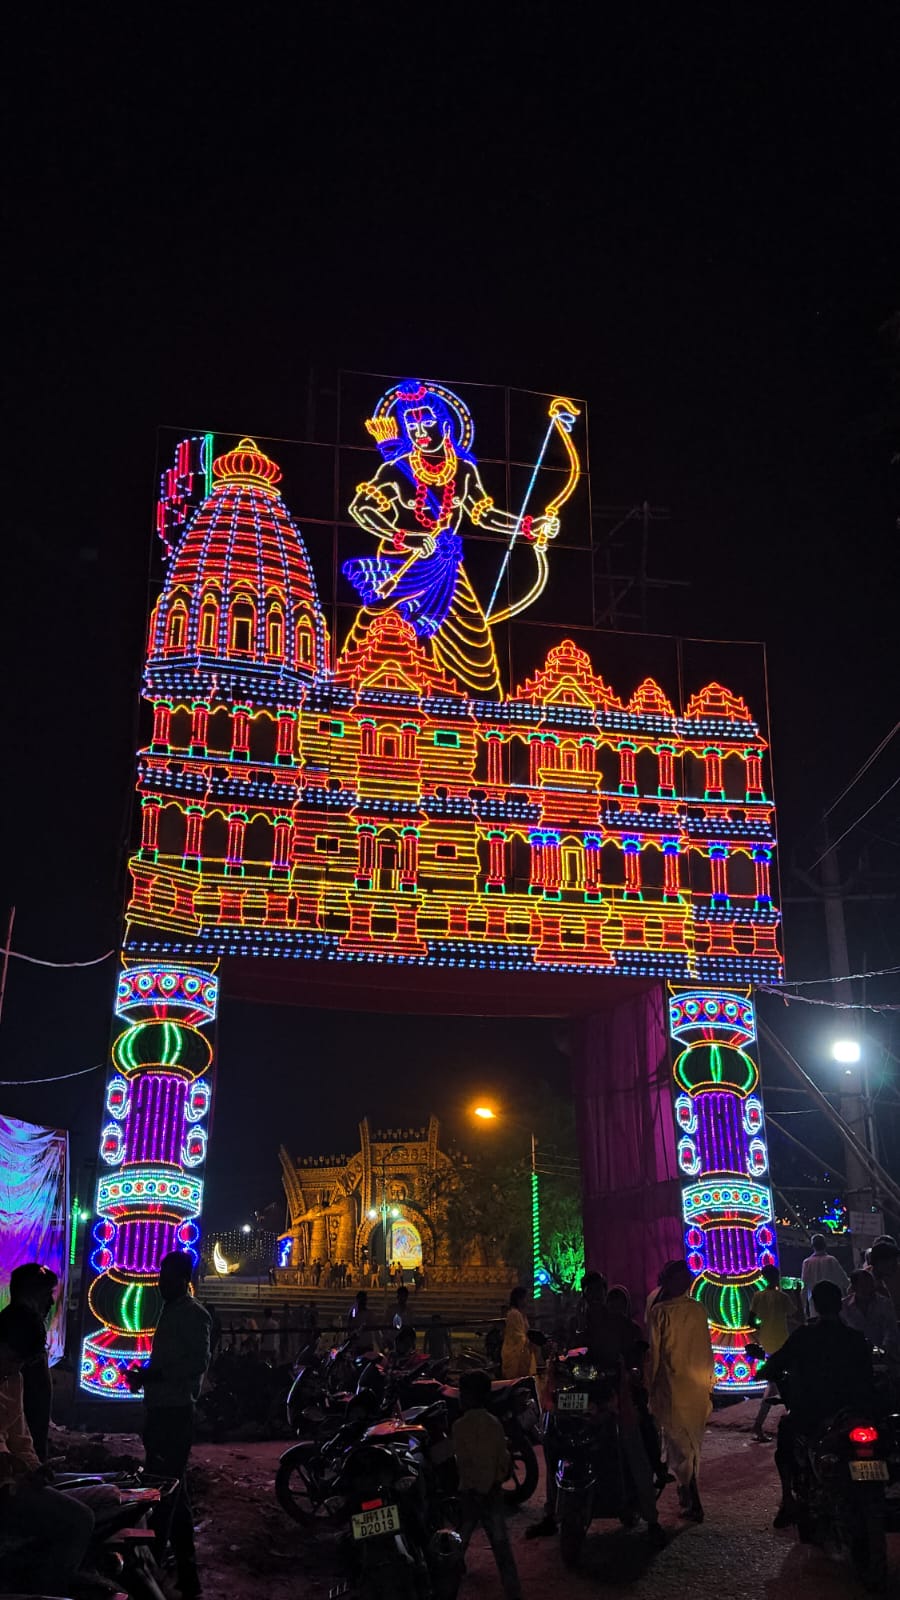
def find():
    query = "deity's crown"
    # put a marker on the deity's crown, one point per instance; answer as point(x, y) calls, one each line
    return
point(384, 430)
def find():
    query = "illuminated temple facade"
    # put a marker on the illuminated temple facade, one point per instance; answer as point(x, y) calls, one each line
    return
point(365, 808)
point(385, 1202)
point(358, 806)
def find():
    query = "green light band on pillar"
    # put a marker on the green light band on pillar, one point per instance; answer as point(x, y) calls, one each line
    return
point(535, 1231)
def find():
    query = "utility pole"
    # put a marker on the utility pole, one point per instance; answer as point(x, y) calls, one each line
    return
point(854, 1084)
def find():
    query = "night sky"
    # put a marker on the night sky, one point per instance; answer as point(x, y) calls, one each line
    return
point(688, 217)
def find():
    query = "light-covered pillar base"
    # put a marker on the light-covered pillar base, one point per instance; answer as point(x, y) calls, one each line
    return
point(729, 1225)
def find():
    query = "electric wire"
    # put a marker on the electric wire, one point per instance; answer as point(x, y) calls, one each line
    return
point(15, 1083)
point(883, 796)
point(864, 768)
point(38, 961)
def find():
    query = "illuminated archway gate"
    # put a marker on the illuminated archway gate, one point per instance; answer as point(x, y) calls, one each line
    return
point(384, 825)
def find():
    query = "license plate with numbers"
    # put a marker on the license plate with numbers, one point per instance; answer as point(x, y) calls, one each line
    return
point(572, 1400)
point(369, 1524)
point(869, 1471)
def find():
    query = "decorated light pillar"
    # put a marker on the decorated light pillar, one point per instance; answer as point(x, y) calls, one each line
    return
point(726, 1198)
point(152, 1156)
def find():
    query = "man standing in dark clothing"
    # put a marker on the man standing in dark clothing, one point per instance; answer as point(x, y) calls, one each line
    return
point(34, 1286)
point(171, 1383)
point(828, 1368)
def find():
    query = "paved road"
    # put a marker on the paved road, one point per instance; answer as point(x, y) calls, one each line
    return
point(249, 1548)
point(734, 1555)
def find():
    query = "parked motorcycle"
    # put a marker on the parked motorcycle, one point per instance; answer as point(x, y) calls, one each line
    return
point(840, 1475)
point(244, 1389)
point(122, 1546)
point(308, 1472)
point(385, 1493)
point(514, 1402)
point(583, 1437)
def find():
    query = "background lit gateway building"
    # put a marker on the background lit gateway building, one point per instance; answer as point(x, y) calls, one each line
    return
point(381, 774)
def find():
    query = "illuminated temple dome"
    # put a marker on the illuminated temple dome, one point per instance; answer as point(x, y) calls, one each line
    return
point(239, 603)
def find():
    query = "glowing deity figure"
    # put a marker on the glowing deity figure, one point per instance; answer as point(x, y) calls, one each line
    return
point(415, 505)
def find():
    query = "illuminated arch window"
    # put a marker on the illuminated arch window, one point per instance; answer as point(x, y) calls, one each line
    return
point(572, 864)
point(388, 742)
point(275, 632)
point(387, 855)
point(242, 625)
point(209, 623)
point(304, 642)
point(176, 626)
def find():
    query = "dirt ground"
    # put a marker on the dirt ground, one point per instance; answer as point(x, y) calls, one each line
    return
point(248, 1548)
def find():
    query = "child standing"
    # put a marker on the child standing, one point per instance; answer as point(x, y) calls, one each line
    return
point(482, 1456)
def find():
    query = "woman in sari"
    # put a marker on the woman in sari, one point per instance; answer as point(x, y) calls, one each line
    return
point(517, 1358)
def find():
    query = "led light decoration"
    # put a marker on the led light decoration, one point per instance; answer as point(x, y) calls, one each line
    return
point(727, 1205)
point(150, 1195)
point(540, 1277)
point(425, 434)
point(394, 803)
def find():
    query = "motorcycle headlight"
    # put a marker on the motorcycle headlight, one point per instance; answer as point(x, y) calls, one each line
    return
point(585, 1373)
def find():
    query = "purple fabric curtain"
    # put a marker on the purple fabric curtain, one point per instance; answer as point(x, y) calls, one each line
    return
point(631, 1186)
point(34, 1211)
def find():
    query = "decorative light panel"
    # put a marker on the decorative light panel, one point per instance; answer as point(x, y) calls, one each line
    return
point(389, 801)
point(726, 1199)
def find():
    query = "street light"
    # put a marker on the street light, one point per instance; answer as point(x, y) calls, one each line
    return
point(856, 1109)
point(488, 1114)
point(246, 1228)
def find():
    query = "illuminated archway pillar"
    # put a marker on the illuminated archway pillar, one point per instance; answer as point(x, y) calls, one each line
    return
point(152, 1155)
point(726, 1198)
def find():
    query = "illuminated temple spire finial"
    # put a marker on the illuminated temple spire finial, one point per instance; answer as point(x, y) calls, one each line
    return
point(247, 464)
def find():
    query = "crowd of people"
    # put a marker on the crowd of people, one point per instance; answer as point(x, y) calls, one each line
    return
point(318, 1274)
point(819, 1340)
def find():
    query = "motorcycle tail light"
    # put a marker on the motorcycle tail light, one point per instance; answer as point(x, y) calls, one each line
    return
point(864, 1435)
point(371, 1505)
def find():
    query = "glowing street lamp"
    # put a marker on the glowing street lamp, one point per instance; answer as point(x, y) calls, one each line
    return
point(846, 1051)
point(246, 1228)
point(488, 1114)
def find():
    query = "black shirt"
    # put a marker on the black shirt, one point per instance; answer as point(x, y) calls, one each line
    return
point(829, 1367)
point(611, 1337)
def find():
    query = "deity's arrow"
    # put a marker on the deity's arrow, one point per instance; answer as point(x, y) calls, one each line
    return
point(562, 417)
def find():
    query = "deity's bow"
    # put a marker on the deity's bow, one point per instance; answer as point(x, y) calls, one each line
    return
point(562, 414)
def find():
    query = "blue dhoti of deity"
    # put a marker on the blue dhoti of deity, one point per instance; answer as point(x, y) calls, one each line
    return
point(424, 592)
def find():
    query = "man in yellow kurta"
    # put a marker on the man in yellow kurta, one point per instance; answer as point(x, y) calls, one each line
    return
point(681, 1374)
